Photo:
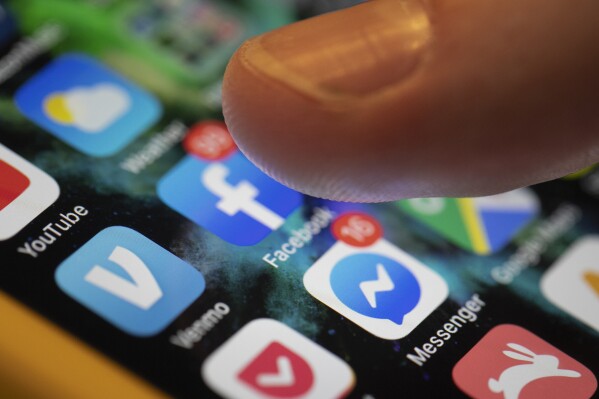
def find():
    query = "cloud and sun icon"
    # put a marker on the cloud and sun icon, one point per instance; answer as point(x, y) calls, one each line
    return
point(90, 109)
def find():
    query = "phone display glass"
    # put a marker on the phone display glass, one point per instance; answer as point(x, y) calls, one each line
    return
point(129, 219)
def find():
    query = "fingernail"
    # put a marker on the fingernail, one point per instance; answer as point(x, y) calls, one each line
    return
point(356, 52)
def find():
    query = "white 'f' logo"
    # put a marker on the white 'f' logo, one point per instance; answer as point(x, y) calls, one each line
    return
point(239, 198)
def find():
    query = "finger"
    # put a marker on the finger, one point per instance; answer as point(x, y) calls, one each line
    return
point(405, 98)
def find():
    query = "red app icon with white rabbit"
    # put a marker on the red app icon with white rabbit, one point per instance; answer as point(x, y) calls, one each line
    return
point(510, 362)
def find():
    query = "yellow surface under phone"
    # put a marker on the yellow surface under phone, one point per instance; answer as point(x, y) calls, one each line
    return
point(40, 360)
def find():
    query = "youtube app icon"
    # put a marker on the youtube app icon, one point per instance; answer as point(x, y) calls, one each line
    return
point(14, 183)
point(25, 192)
point(267, 359)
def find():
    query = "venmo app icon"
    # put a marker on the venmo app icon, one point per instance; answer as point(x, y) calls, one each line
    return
point(130, 281)
point(231, 198)
point(380, 288)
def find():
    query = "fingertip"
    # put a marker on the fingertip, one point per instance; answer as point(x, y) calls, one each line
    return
point(306, 114)
point(289, 136)
point(470, 113)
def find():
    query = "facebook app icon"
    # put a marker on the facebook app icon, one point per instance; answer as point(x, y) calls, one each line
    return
point(231, 198)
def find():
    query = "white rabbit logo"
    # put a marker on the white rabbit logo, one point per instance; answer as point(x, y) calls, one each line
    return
point(513, 379)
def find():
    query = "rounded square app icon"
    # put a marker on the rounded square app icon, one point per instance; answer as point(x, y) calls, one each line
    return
point(510, 362)
point(267, 359)
point(481, 225)
point(87, 105)
point(130, 281)
point(25, 192)
point(231, 198)
point(572, 283)
point(380, 288)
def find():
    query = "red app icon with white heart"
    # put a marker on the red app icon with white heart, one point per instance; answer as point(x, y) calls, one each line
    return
point(267, 359)
point(278, 372)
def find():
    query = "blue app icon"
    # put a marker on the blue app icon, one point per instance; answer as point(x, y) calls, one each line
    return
point(87, 105)
point(381, 288)
point(375, 286)
point(130, 281)
point(231, 198)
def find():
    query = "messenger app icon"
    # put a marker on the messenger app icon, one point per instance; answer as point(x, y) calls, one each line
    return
point(380, 288)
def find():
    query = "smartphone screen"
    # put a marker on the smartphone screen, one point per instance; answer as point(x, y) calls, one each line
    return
point(129, 219)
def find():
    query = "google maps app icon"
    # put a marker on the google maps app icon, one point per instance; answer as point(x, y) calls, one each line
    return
point(481, 225)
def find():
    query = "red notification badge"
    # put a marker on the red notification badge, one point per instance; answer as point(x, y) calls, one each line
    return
point(209, 140)
point(357, 229)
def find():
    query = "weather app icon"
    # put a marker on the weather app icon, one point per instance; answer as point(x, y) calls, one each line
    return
point(87, 105)
point(380, 288)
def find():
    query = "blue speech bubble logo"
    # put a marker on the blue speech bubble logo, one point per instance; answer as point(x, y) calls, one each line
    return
point(375, 286)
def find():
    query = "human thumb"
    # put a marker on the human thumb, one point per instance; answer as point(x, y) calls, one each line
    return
point(411, 98)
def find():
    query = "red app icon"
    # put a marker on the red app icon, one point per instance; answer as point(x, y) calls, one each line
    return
point(512, 363)
point(12, 184)
point(278, 372)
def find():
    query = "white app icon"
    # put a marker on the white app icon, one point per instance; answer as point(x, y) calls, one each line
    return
point(380, 288)
point(267, 359)
point(572, 283)
point(89, 109)
point(25, 192)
